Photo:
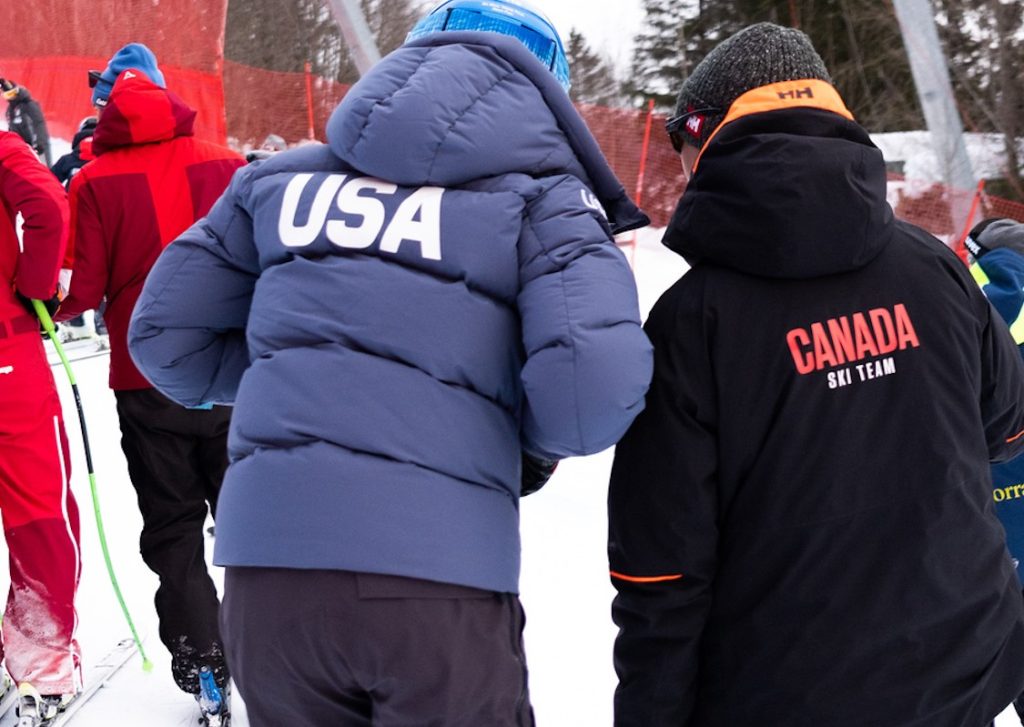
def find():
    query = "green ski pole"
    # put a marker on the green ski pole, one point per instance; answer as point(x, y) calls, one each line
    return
point(44, 318)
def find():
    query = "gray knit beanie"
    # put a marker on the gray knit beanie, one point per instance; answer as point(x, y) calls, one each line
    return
point(756, 56)
point(995, 232)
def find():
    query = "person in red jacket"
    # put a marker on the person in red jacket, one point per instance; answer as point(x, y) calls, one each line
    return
point(40, 516)
point(149, 182)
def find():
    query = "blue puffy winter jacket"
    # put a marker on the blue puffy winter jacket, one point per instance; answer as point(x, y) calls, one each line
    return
point(397, 314)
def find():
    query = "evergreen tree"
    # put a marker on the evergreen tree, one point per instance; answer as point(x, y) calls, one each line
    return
point(391, 20)
point(593, 80)
point(660, 59)
point(984, 41)
point(283, 35)
point(859, 41)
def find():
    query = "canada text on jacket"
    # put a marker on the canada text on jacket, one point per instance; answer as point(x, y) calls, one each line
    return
point(851, 338)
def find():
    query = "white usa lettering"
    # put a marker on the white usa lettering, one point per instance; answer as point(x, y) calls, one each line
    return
point(417, 219)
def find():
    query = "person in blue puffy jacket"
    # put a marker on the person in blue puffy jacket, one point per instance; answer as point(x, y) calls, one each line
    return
point(401, 317)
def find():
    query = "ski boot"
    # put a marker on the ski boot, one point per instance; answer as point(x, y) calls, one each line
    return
point(213, 701)
point(36, 710)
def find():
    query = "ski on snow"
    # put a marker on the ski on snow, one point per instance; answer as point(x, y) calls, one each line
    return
point(10, 696)
point(77, 350)
point(100, 675)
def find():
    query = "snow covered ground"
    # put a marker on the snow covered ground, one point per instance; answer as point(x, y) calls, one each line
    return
point(565, 587)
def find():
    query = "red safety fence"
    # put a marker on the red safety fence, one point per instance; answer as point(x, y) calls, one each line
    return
point(52, 43)
point(295, 106)
point(261, 102)
point(49, 45)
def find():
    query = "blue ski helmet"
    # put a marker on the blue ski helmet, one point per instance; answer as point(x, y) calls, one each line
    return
point(514, 18)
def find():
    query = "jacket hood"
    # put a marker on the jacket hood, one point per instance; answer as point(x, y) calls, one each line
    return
point(454, 107)
point(140, 112)
point(785, 193)
point(21, 95)
point(80, 136)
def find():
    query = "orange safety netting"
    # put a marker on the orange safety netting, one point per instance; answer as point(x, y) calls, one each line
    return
point(51, 44)
point(57, 41)
point(295, 106)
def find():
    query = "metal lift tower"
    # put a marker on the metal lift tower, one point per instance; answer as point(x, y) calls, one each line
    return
point(349, 17)
point(931, 76)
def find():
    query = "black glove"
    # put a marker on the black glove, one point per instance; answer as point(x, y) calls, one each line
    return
point(51, 305)
point(257, 155)
point(536, 473)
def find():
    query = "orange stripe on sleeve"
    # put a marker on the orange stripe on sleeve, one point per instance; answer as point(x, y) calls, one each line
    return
point(646, 579)
point(1015, 437)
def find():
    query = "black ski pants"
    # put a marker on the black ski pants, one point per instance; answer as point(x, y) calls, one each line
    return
point(311, 648)
point(176, 462)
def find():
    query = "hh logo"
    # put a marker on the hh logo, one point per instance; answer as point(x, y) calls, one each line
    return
point(796, 93)
point(6, 369)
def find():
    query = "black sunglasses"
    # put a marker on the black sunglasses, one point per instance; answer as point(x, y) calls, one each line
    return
point(94, 78)
point(674, 125)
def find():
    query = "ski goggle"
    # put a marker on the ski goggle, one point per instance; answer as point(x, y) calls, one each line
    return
point(692, 122)
point(547, 50)
point(94, 78)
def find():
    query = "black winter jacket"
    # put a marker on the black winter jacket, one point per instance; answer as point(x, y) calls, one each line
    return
point(68, 165)
point(25, 118)
point(801, 521)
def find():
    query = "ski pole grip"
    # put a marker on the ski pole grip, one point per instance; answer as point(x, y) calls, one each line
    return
point(43, 315)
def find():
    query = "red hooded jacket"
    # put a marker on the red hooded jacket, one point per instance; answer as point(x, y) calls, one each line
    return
point(26, 186)
point(149, 182)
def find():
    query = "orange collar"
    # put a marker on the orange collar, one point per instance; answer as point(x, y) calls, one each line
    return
point(808, 93)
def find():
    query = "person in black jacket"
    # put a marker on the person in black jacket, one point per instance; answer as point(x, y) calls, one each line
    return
point(64, 169)
point(68, 165)
point(25, 118)
point(801, 526)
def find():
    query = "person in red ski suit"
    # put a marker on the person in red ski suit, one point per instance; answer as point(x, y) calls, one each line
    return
point(149, 181)
point(40, 516)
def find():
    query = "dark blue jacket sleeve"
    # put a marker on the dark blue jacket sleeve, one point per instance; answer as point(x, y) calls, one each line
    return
point(588, 361)
point(187, 334)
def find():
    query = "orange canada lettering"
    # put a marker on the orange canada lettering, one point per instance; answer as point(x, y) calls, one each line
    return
point(847, 339)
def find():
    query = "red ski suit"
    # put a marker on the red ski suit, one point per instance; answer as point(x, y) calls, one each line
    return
point(40, 516)
point(149, 182)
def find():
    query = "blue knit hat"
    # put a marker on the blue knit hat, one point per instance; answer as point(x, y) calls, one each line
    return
point(135, 56)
